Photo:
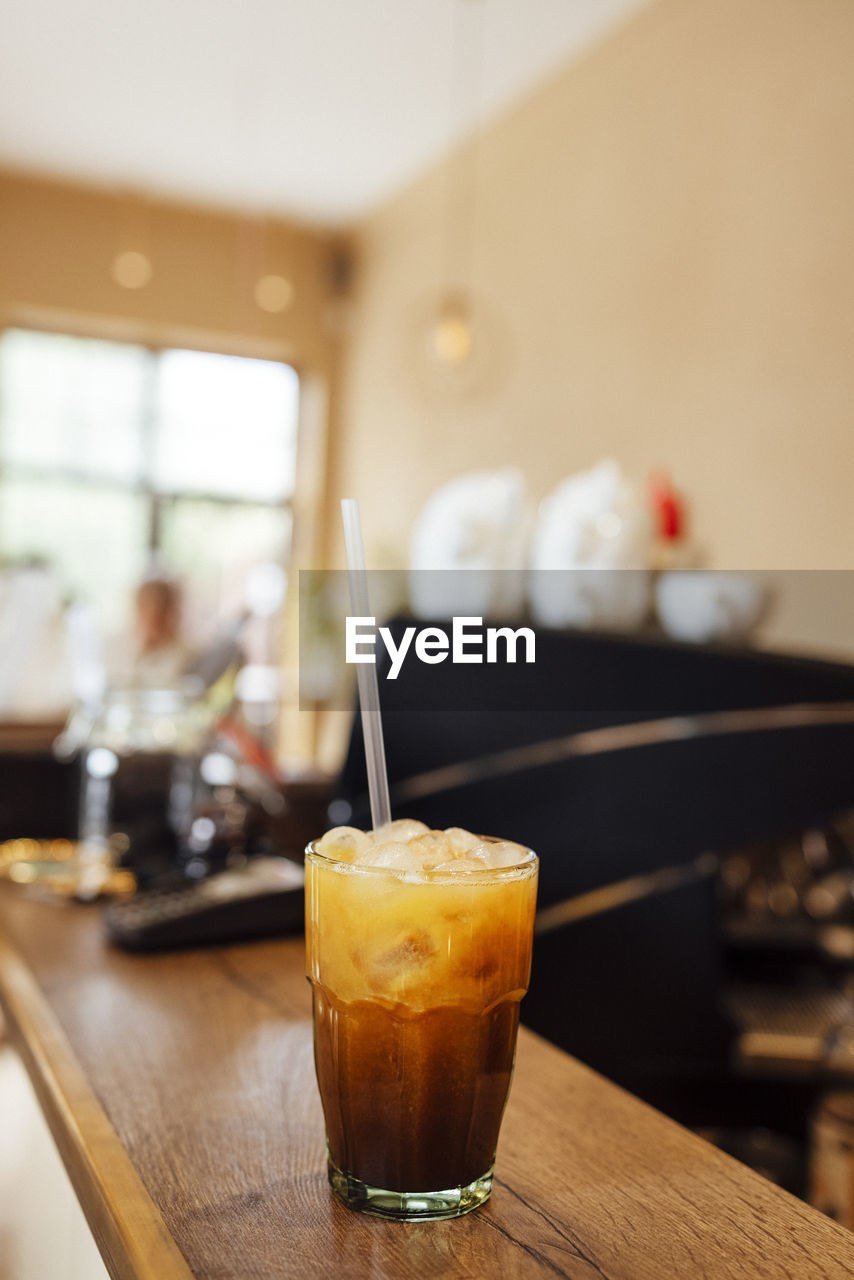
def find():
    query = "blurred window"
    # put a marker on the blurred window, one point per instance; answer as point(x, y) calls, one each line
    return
point(112, 453)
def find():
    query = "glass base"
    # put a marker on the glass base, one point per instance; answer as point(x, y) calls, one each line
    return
point(409, 1206)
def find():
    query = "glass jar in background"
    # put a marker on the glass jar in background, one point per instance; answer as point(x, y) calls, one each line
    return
point(139, 769)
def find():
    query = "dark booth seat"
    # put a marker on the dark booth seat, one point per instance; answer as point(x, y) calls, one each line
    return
point(633, 991)
point(598, 818)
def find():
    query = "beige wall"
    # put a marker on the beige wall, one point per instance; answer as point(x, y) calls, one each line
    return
point(664, 237)
point(57, 242)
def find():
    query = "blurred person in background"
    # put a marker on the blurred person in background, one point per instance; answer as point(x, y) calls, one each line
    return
point(154, 654)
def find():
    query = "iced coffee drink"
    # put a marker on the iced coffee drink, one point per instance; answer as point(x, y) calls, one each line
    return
point(419, 952)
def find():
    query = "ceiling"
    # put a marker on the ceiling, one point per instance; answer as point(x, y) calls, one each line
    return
point(314, 109)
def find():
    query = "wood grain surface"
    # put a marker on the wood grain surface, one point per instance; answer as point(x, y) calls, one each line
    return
point(202, 1064)
point(125, 1222)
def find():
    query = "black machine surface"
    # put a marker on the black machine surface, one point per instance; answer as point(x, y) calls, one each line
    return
point(263, 899)
point(40, 795)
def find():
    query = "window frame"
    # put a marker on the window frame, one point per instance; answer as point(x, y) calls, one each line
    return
point(157, 499)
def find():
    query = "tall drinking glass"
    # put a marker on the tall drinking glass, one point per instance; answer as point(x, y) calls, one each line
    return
point(416, 982)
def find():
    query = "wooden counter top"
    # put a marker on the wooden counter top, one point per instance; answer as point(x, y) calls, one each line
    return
point(180, 1091)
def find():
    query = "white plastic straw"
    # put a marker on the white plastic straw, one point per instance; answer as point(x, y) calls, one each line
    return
point(366, 672)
